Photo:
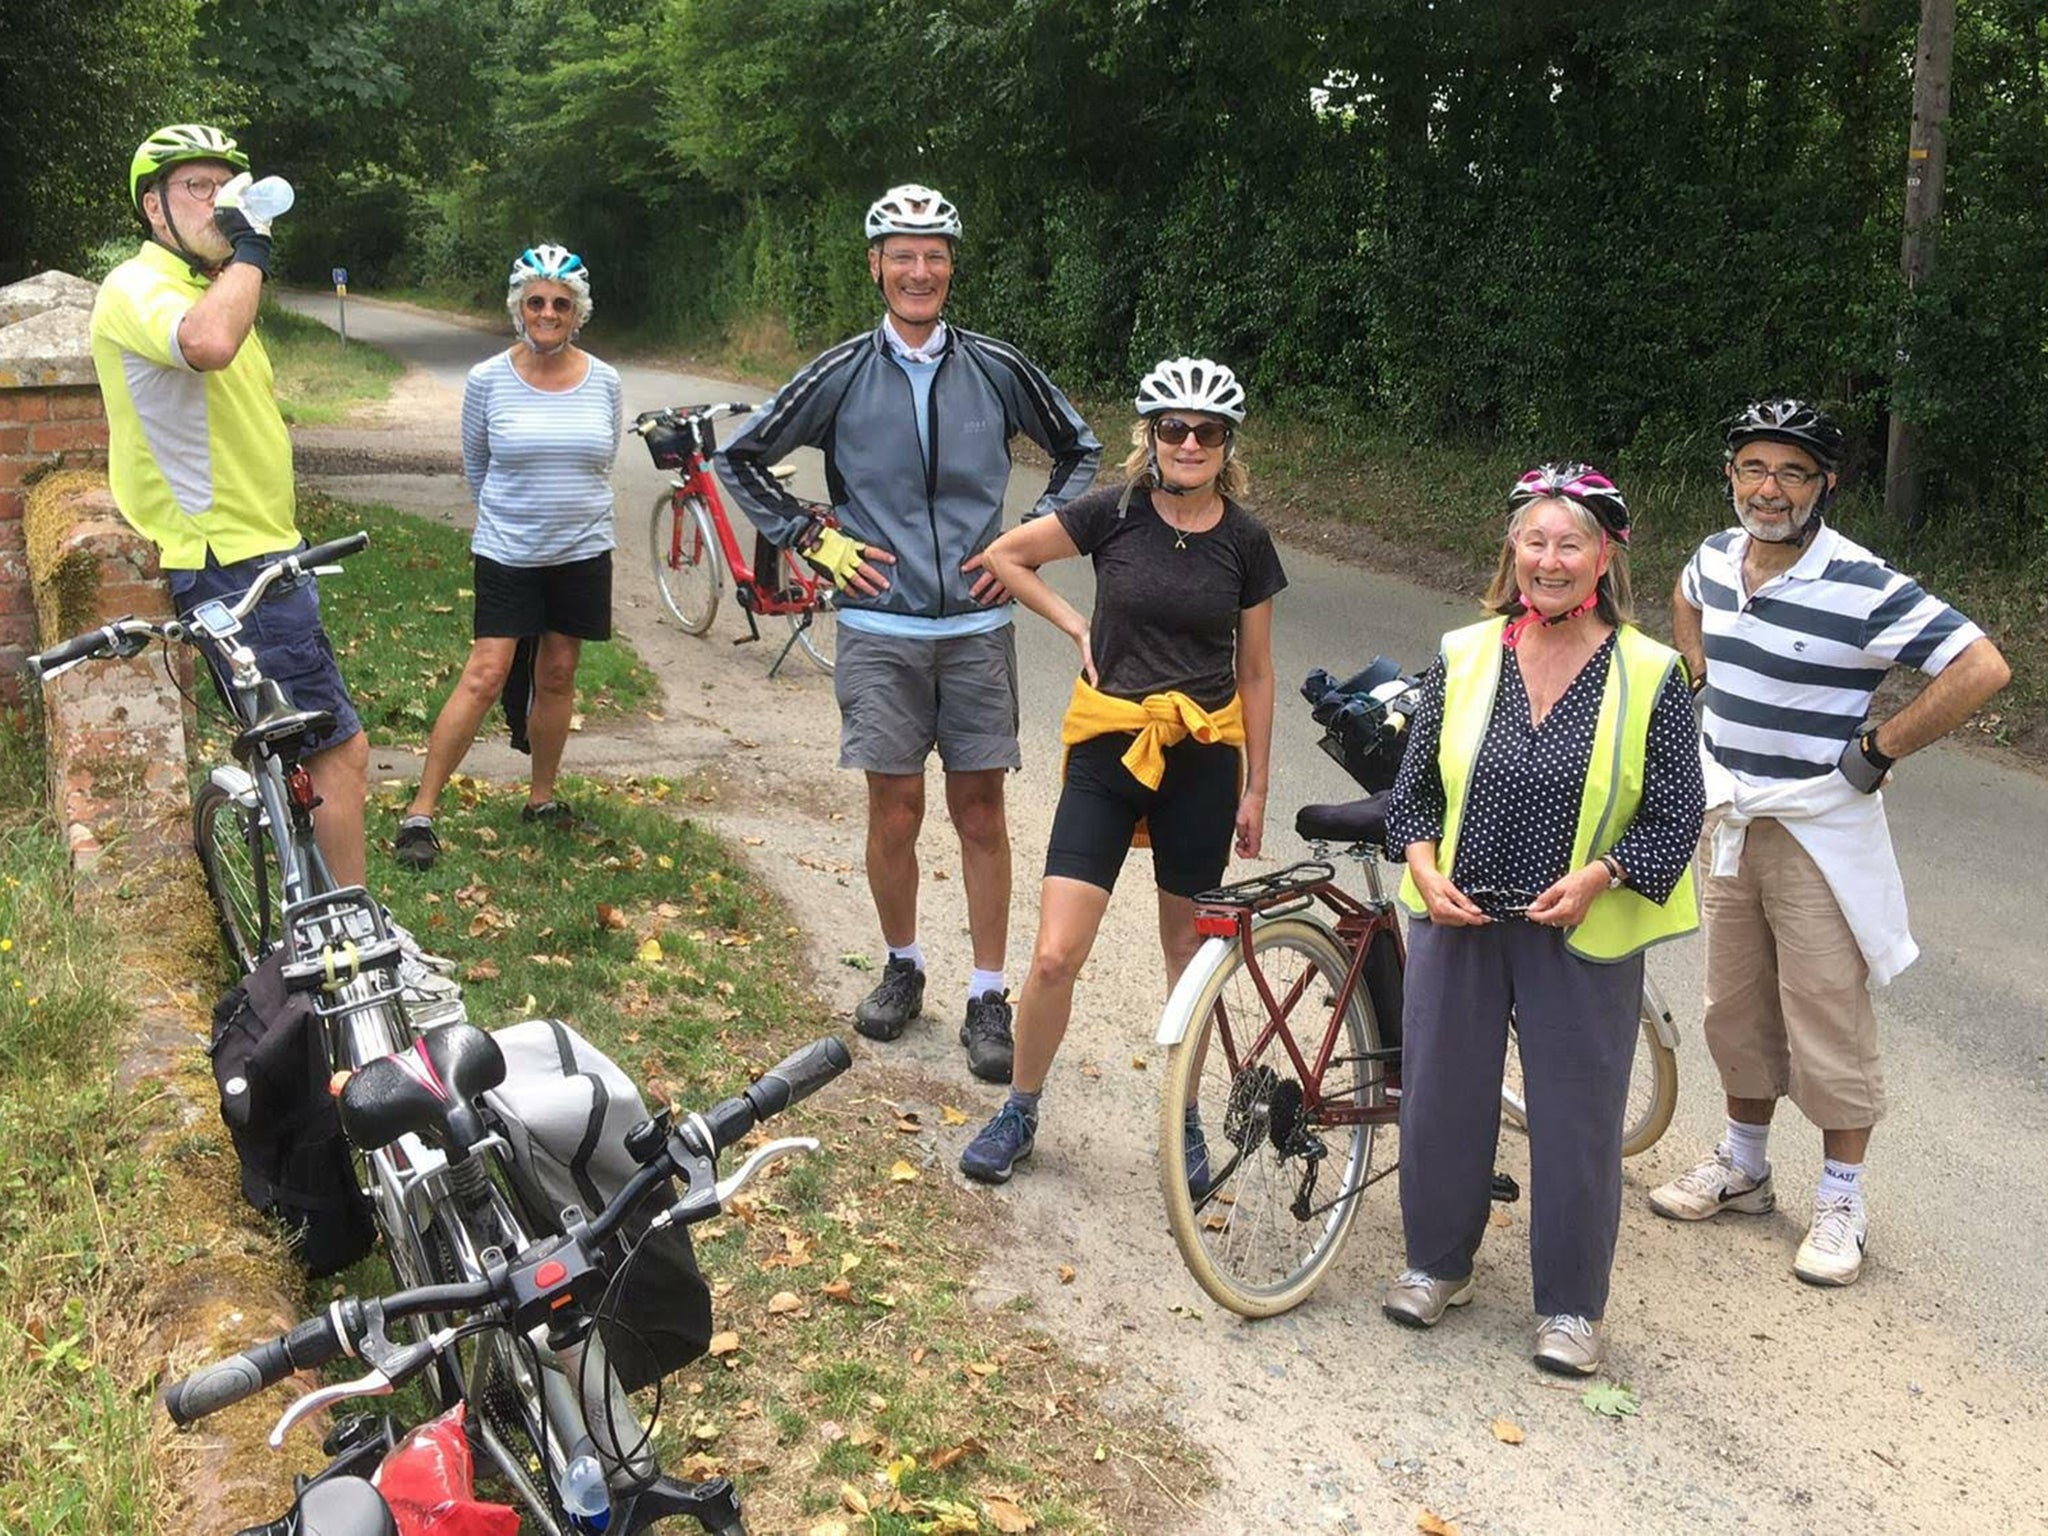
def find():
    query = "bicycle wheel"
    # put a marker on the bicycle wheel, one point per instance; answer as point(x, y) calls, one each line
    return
point(242, 875)
point(688, 570)
point(1652, 1086)
point(1283, 1182)
point(817, 631)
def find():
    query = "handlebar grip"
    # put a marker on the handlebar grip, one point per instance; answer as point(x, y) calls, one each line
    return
point(798, 1076)
point(333, 550)
point(64, 652)
point(227, 1382)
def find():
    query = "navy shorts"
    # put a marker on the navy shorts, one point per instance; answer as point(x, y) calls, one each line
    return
point(284, 632)
point(521, 602)
point(1191, 818)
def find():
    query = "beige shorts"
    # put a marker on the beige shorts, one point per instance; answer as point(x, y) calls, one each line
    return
point(1788, 1010)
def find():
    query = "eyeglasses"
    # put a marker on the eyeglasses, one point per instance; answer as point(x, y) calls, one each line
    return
point(1172, 431)
point(1789, 478)
point(201, 189)
point(541, 304)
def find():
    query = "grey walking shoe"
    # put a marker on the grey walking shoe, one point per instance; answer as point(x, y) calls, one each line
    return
point(1569, 1345)
point(1419, 1300)
point(986, 1034)
point(416, 846)
point(897, 999)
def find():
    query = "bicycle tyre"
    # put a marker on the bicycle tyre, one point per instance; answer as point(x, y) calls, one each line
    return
point(818, 630)
point(1652, 1088)
point(242, 875)
point(688, 569)
point(1250, 1195)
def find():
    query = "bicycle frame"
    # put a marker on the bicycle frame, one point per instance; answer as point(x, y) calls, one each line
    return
point(755, 595)
point(1355, 923)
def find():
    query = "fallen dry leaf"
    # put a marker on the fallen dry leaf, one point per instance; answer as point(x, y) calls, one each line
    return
point(609, 916)
point(1433, 1524)
point(951, 1116)
point(830, 1528)
point(727, 1343)
point(909, 1125)
point(649, 952)
point(1499, 1218)
point(785, 1301)
point(902, 1173)
point(1138, 1063)
point(853, 1498)
point(1066, 1274)
point(480, 970)
point(1508, 1432)
point(838, 1290)
point(938, 1461)
point(1008, 1517)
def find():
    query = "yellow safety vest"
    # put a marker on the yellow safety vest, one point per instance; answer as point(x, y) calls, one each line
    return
point(1619, 923)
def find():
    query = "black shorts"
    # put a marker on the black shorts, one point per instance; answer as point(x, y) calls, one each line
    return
point(517, 602)
point(1191, 817)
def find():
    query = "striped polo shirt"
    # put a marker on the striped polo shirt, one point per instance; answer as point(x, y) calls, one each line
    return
point(539, 463)
point(1792, 666)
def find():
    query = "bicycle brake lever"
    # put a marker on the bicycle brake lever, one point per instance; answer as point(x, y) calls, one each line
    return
point(786, 1146)
point(399, 1366)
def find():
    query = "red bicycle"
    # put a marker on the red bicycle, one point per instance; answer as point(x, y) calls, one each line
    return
point(693, 547)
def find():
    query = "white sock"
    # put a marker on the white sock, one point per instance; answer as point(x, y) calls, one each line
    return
point(908, 952)
point(1746, 1144)
point(1841, 1181)
point(984, 981)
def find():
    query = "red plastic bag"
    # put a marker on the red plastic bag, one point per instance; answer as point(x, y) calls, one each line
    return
point(428, 1481)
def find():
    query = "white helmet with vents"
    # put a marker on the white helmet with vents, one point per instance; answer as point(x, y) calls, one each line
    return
point(912, 210)
point(1191, 384)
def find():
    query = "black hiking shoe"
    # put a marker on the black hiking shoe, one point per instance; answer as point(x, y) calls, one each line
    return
point(887, 1011)
point(552, 813)
point(416, 846)
point(986, 1034)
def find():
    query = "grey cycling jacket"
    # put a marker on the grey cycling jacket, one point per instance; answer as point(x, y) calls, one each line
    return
point(932, 511)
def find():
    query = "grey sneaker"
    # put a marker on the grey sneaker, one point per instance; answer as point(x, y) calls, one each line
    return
point(1569, 1345)
point(1003, 1143)
point(416, 846)
point(1832, 1253)
point(1417, 1299)
point(986, 1034)
point(559, 814)
point(1714, 1185)
point(897, 999)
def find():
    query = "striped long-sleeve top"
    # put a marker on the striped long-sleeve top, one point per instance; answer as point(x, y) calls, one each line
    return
point(539, 463)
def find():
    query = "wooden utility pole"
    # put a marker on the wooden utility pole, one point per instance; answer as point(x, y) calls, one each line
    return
point(1926, 162)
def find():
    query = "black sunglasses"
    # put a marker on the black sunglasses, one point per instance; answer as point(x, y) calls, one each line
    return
point(1172, 431)
point(541, 304)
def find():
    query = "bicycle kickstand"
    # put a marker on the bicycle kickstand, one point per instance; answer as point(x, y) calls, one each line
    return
point(787, 646)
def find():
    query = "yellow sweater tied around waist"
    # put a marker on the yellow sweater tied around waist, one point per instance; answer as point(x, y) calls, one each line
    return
point(1161, 720)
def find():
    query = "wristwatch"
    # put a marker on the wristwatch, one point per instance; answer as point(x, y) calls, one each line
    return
point(1617, 877)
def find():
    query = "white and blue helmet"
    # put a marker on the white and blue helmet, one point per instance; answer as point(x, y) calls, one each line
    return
point(553, 264)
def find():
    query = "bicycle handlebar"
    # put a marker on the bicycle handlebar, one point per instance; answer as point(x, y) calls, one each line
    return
point(339, 1330)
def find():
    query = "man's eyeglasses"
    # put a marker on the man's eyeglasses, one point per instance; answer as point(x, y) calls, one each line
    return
point(201, 189)
point(1172, 431)
point(541, 304)
point(1790, 478)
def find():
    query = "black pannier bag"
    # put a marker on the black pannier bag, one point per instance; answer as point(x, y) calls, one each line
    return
point(565, 1108)
point(270, 1064)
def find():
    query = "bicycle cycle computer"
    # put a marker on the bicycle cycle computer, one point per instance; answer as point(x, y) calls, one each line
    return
point(213, 617)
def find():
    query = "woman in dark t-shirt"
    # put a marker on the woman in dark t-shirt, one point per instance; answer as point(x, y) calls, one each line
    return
point(1170, 727)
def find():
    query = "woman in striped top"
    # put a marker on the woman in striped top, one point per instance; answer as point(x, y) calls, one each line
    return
point(540, 427)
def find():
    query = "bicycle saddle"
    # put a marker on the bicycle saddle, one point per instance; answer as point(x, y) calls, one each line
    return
point(276, 732)
point(1355, 821)
point(338, 1506)
point(429, 1089)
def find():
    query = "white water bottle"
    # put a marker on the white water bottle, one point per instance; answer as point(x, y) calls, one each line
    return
point(266, 199)
point(584, 1494)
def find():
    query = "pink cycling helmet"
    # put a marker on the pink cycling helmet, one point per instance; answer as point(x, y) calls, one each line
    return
point(1577, 482)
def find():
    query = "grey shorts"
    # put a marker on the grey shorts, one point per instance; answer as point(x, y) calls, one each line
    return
point(899, 697)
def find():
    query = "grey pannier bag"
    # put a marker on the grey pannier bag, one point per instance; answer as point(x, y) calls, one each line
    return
point(565, 1108)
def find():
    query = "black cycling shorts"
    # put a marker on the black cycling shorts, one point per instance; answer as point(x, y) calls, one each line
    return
point(518, 602)
point(1191, 817)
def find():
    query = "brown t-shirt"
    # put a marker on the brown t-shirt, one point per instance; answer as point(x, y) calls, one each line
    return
point(1166, 618)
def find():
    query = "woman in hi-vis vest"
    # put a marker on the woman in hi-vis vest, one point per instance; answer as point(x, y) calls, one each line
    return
point(1548, 804)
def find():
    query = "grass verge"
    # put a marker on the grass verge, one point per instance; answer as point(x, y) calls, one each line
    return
point(321, 378)
point(78, 1200)
point(400, 621)
point(854, 1386)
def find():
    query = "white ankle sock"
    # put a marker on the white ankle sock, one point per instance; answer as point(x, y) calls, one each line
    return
point(908, 952)
point(1841, 1181)
point(1746, 1145)
point(984, 981)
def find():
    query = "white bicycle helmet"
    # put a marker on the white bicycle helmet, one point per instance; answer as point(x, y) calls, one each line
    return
point(912, 210)
point(1191, 384)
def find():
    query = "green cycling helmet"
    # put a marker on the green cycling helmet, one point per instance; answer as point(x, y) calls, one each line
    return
point(173, 146)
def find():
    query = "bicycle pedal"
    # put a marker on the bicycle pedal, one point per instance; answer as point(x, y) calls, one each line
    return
point(1505, 1190)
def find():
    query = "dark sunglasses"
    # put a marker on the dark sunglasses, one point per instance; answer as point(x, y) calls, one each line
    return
point(540, 304)
point(1172, 431)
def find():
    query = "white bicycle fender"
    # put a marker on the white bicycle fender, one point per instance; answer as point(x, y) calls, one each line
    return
point(1173, 1021)
point(235, 782)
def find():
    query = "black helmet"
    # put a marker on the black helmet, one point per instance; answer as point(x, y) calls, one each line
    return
point(1788, 421)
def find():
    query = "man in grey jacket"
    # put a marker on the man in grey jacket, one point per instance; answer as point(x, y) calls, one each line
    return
point(915, 420)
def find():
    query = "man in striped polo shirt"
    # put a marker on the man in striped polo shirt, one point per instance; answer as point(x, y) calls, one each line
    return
point(1788, 628)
